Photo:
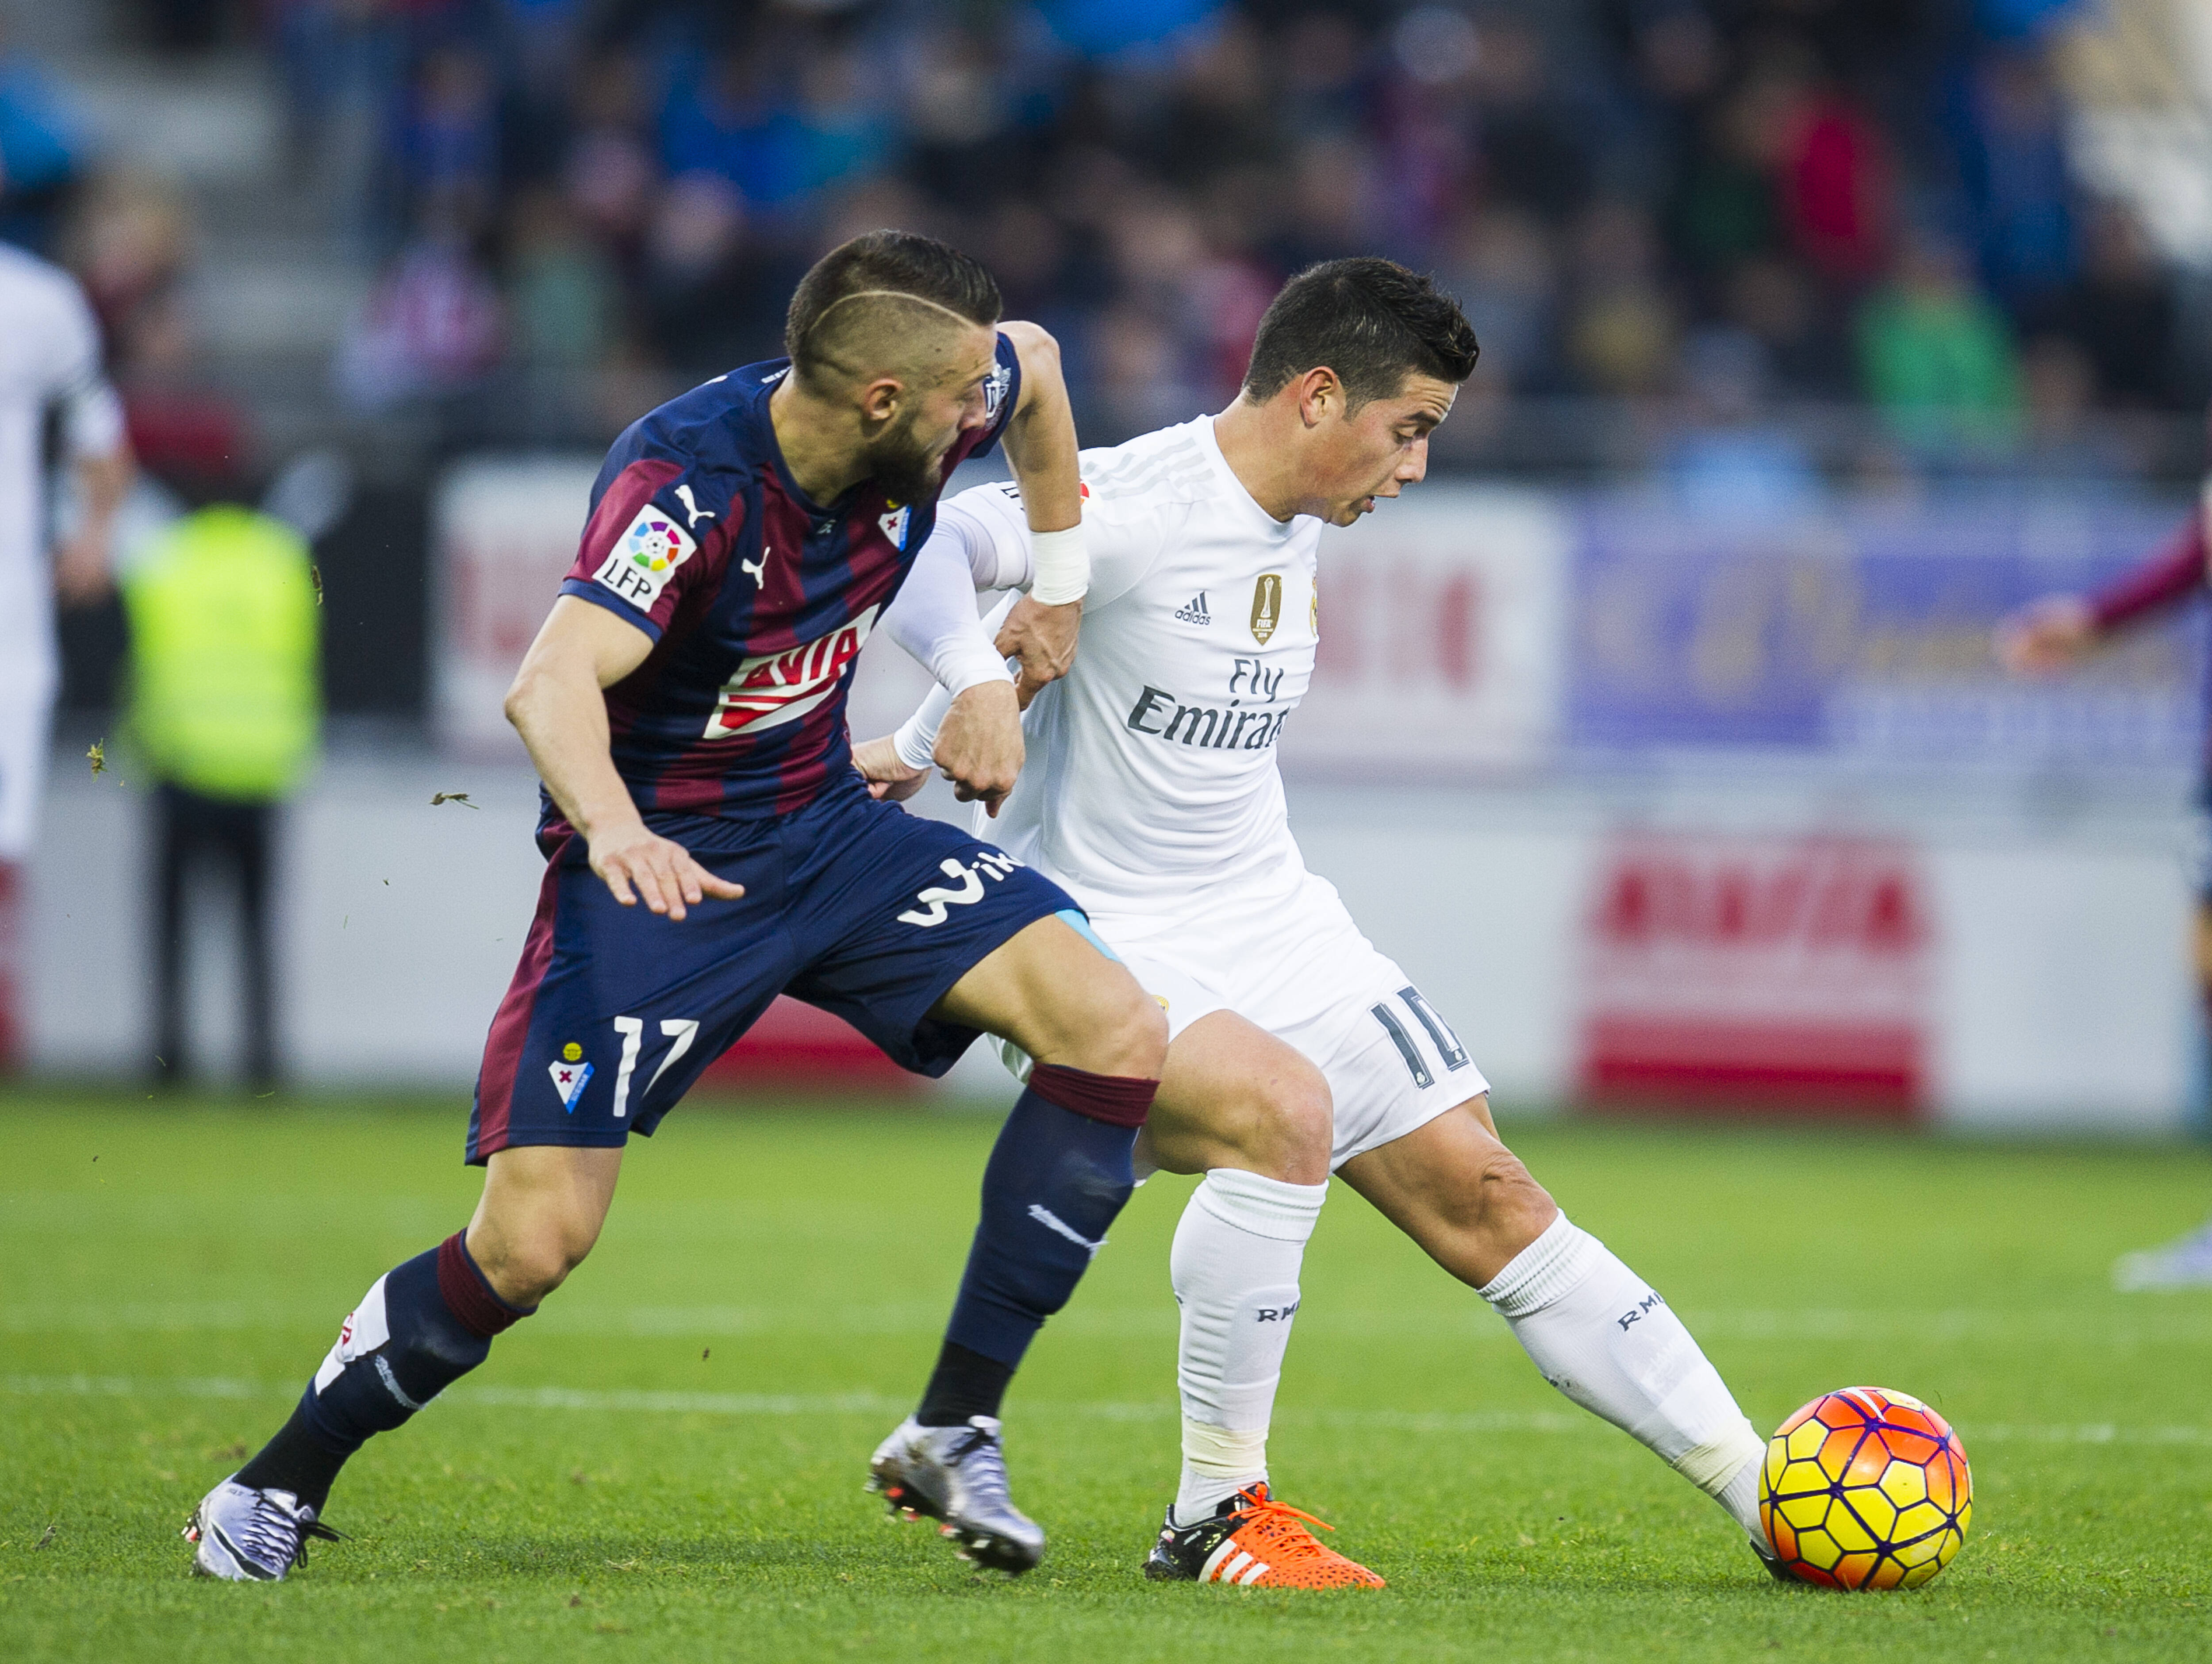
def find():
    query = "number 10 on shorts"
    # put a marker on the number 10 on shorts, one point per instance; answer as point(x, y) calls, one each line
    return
point(1440, 1035)
point(682, 1031)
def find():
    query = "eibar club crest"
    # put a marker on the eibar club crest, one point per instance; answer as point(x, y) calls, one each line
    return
point(894, 524)
point(569, 1079)
point(1267, 607)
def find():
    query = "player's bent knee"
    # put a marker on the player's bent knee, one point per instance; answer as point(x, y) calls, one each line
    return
point(526, 1258)
point(523, 1272)
point(1497, 1198)
point(1515, 1210)
point(1301, 1120)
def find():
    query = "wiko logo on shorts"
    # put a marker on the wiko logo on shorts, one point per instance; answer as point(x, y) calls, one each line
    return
point(936, 902)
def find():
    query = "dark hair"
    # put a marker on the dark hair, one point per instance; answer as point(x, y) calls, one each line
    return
point(890, 261)
point(1370, 320)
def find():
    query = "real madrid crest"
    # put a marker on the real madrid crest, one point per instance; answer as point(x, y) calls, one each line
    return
point(1267, 607)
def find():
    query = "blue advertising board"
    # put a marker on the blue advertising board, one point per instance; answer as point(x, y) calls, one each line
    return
point(1861, 632)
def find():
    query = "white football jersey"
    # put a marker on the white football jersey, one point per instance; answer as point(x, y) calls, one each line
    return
point(1152, 764)
point(1150, 792)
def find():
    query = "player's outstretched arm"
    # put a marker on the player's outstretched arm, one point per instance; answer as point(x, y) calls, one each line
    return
point(933, 617)
point(558, 707)
point(1040, 443)
point(2055, 633)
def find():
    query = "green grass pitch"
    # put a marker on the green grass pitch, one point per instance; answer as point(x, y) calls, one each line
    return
point(666, 1463)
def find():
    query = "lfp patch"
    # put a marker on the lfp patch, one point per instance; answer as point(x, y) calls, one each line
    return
point(646, 557)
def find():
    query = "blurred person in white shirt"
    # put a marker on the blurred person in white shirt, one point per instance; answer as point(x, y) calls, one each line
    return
point(49, 364)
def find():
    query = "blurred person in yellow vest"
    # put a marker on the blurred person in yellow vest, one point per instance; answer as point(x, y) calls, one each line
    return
point(224, 714)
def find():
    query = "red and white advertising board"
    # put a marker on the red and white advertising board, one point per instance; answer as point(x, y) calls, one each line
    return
point(1768, 971)
point(503, 531)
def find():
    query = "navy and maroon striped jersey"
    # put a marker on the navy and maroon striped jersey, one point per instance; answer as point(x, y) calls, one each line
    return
point(756, 598)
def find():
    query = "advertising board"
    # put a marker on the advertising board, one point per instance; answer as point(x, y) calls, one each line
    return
point(1442, 622)
point(503, 531)
point(1861, 636)
point(1758, 970)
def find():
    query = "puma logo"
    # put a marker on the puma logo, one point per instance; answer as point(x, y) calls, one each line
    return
point(691, 507)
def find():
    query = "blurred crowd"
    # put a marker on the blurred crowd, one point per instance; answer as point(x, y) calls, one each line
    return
point(1730, 203)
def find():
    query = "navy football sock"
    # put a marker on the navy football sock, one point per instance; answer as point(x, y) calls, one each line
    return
point(1057, 1177)
point(421, 1327)
point(965, 1383)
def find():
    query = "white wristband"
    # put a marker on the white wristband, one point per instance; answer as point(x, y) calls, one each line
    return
point(1060, 563)
point(915, 742)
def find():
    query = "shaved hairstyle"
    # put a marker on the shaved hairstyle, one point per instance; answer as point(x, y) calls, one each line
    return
point(878, 304)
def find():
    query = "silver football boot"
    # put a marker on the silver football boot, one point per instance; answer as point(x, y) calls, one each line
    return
point(248, 1536)
point(957, 1476)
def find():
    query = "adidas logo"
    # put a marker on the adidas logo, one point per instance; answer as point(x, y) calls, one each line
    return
point(1193, 611)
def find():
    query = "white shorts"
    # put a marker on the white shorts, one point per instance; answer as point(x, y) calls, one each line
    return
point(1295, 965)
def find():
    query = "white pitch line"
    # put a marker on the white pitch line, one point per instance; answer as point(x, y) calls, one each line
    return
point(528, 1398)
point(2131, 1321)
point(753, 1405)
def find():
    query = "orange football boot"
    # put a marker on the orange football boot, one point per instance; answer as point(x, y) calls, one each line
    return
point(1256, 1541)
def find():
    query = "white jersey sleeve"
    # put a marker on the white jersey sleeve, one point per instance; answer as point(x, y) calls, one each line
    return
point(916, 739)
point(982, 540)
point(933, 615)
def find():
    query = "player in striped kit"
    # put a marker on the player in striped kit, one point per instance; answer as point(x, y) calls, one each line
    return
point(708, 848)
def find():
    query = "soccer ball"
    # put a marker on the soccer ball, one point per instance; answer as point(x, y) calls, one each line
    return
point(1865, 1489)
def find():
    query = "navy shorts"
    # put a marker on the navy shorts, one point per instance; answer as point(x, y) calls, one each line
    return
point(852, 905)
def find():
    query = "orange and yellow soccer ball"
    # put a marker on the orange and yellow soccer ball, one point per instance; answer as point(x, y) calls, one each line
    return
point(1865, 1489)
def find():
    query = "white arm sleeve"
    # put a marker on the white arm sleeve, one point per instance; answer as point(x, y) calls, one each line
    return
point(1123, 542)
point(986, 525)
point(933, 615)
point(916, 739)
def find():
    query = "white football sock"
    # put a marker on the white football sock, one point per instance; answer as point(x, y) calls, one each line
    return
point(1603, 1337)
point(1234, 1265)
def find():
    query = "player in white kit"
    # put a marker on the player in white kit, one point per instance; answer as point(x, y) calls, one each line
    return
point(49, 359)
point(1296, 1049)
